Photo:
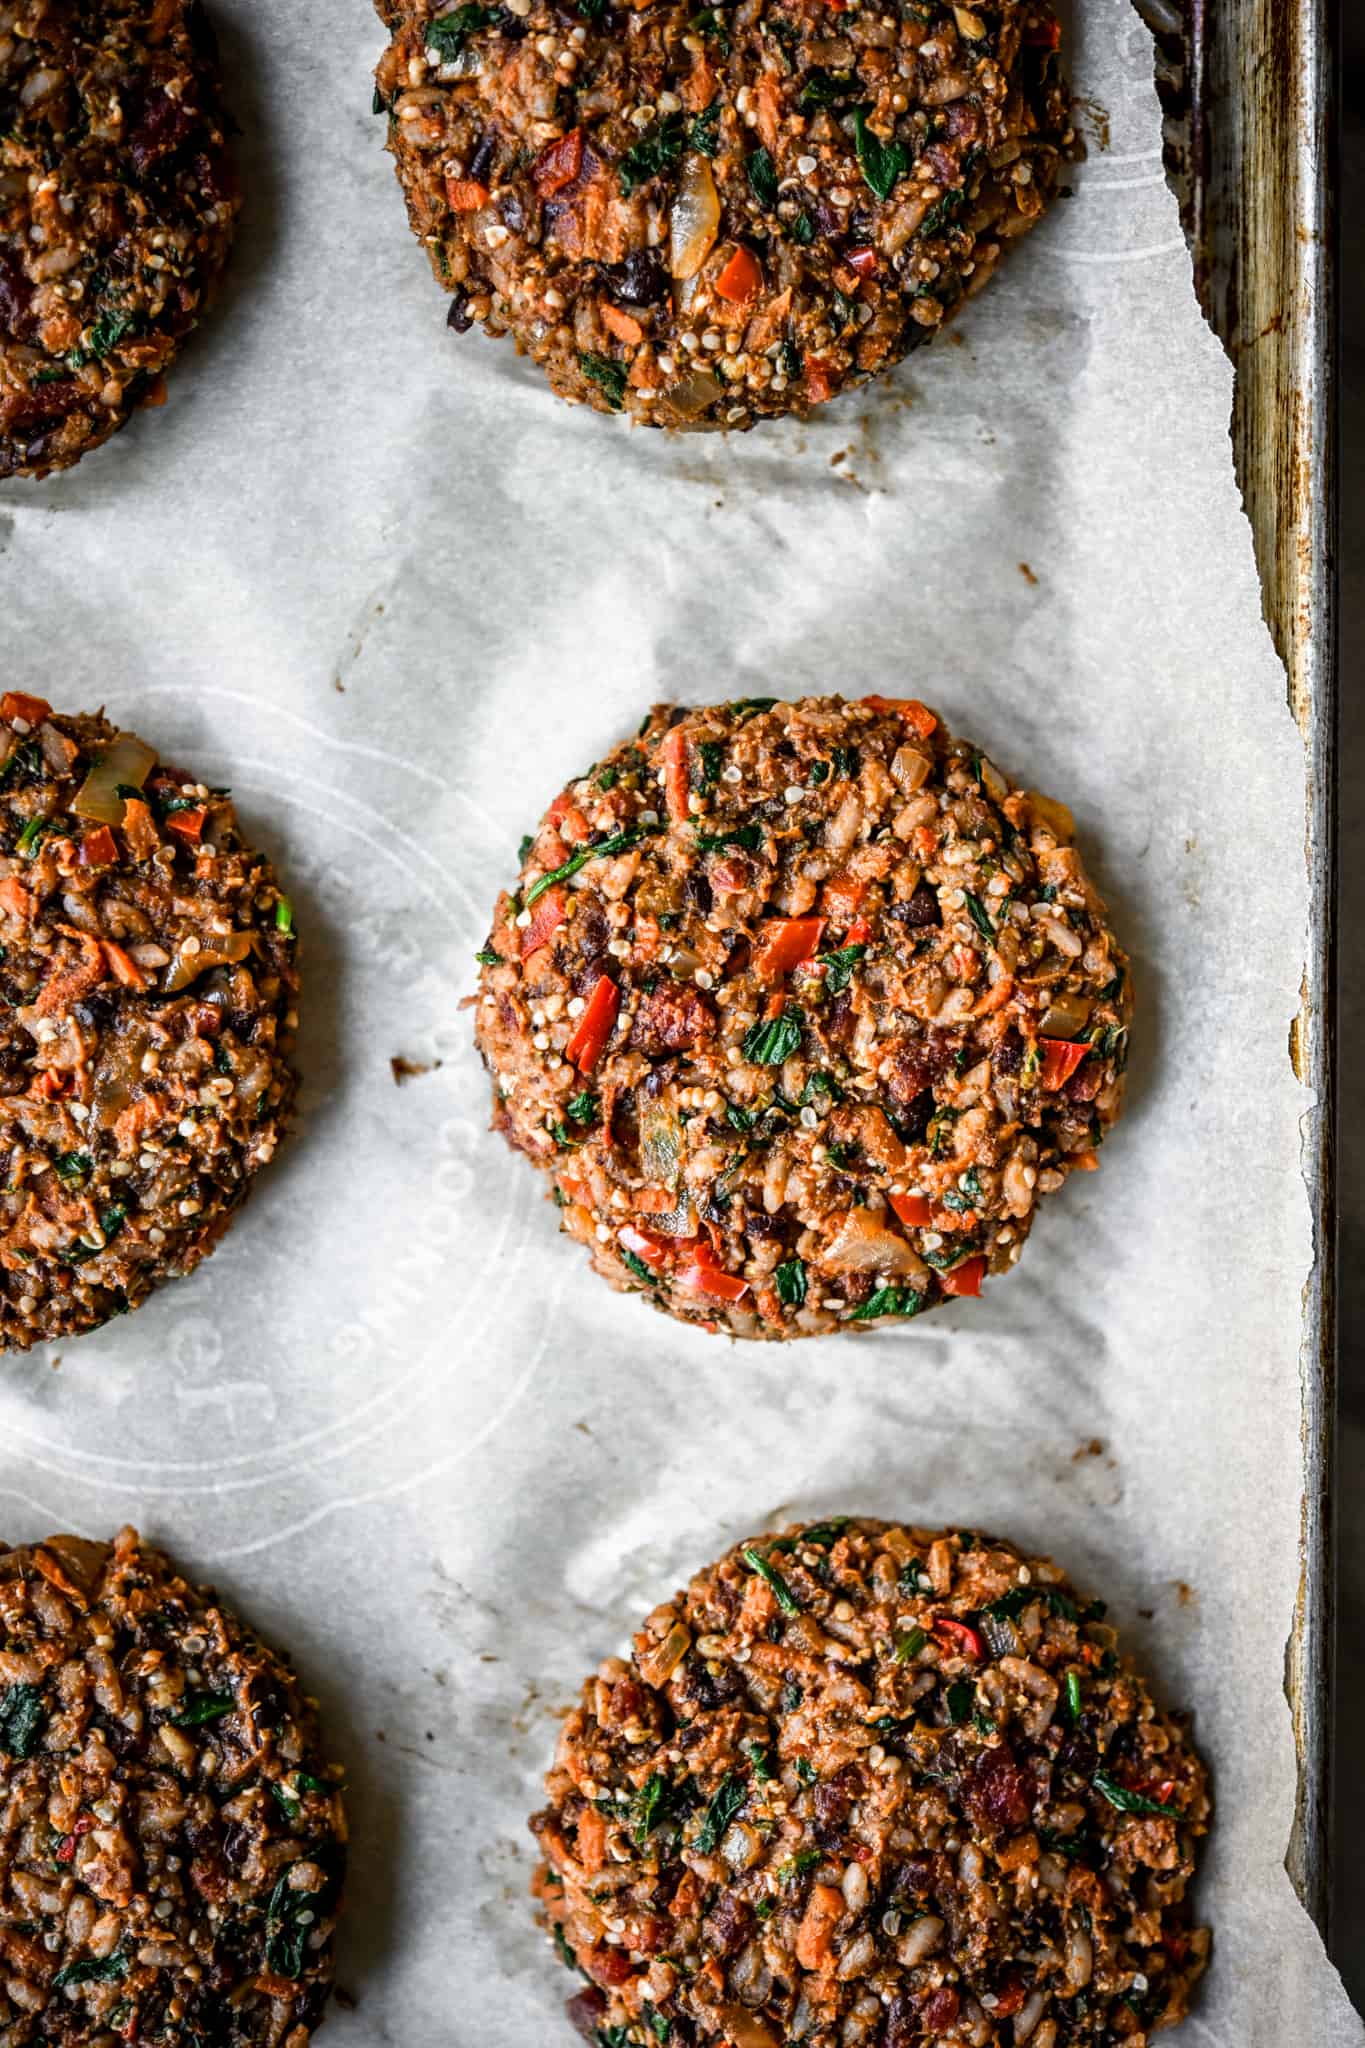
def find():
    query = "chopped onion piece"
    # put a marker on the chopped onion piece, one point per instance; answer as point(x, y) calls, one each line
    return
point(227, 952)
point(1066, 1015)
point(126, 763)
point(694, 220)
point(861, 1245)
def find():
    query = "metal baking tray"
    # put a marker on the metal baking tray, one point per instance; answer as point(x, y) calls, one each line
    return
point(1250, 95)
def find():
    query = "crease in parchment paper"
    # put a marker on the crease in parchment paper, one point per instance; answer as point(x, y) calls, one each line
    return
point(395, 1415)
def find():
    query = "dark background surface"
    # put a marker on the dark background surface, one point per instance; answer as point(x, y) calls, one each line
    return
point(1348, 1938)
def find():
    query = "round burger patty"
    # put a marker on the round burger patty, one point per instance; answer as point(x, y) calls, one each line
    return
point(148, 985)
point(864, 1784)
point(704, 218)
point(802, 1008)
point(117, 206)
point(173, 1842)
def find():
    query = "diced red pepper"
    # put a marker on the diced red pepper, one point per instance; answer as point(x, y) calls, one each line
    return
point(546, 918)
point(960, 1635)
point(123, 967)
point(558, 164)
point(98, 849)
point(595, 1026)
point(707, 1276)
point(188, 824)
point(966, 1278)
point(741, 277)
point(465, 195)
point(1009, 1998)
point(66, 1848)
point(917, 716)
point(913, 1210)
point(555, 814)
point(858, 933)
point(33, 710)
point(655, 1251)
point(677, 787)
point(819, 374)
point(786, 942)
point(1061, 1057)
point(864, 261)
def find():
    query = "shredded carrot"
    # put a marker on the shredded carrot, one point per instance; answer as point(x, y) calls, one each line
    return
point(123, 967)
point(815, 1935)
point(466, 195)
point(16, 899)
point(620, 323)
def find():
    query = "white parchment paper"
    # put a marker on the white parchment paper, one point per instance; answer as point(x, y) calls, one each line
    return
point(376, 579)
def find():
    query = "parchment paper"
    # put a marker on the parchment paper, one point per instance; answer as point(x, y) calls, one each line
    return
point(376, 579)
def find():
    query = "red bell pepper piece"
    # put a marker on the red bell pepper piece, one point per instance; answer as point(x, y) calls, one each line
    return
point(786, 942)
point(858, 933)
point(546, 918)
point(913, 1210)
point(33, 710)
point(558, 164)
point(677, 785)
point(864, 261)
point(707, 1276)
point(653, 1250)
point(595, 1026)
point(966, 1278)
point(917, 716)
point(98, 849)
point(1061, 1057)
point(819, 377)
point(189, 824)
point(741, 277)
point(959, 1635)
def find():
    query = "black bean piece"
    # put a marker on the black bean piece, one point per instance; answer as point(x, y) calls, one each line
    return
point(641, 280)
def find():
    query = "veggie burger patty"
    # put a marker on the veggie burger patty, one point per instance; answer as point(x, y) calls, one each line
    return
point(148, 980)
point(867, 1784)
point(706, 218)
point(173, 1845)
point(117, 206)
point(802, 1007)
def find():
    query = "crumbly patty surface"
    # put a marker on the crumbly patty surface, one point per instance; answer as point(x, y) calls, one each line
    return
point(871, 1784)
point(117, 206)
point(173, 1841)
point(147, 969)
point(802, 1008)
point(706, 218)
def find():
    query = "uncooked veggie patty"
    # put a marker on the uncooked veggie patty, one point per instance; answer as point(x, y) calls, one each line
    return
point(707, 217)
point(802, 1008)
point(173, 1845)
point(117, 206)
point(868, 1784)
point(148, 980)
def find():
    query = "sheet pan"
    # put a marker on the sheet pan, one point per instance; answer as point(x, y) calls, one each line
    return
point(1250, 94)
